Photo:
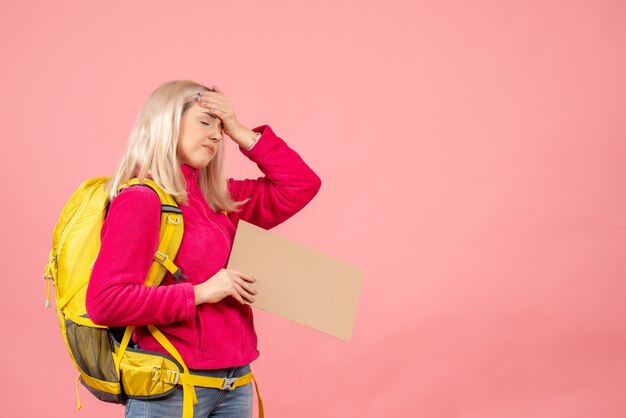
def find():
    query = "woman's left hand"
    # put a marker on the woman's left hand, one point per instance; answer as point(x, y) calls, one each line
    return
point(221, 106)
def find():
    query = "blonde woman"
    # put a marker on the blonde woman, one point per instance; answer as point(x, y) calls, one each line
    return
point(177, 141)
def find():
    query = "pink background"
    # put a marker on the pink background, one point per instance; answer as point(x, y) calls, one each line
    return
point(472, 158)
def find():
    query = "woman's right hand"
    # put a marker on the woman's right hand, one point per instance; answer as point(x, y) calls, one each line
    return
point(225, 283)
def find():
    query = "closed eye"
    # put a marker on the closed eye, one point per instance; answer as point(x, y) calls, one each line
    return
point(205, 123)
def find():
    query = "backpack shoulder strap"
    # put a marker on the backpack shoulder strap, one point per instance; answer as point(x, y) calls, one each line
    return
point(170, 235)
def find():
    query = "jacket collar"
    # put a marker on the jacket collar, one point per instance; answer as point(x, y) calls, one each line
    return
point(191, 174)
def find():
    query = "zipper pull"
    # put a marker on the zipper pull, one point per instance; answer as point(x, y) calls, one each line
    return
point(48, 276)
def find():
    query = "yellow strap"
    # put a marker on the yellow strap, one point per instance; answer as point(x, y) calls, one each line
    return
point(70, 293)
point(171, 267)
point(163, 244)
point(77, 397)
point(189, 392)
point(217, 382)
point(123, 345)
point(258, 397)
point(169, 231)
point(189, 380)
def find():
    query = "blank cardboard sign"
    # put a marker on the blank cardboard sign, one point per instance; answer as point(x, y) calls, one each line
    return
point(297, 282)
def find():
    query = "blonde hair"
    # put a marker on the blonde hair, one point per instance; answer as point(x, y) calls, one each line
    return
point(152, 144)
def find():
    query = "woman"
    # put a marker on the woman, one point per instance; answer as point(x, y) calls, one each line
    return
point(177, 141)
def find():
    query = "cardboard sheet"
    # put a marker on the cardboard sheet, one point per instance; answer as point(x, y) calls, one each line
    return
point(297, 282)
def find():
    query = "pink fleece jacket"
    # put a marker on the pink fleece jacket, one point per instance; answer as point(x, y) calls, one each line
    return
point(210, 335)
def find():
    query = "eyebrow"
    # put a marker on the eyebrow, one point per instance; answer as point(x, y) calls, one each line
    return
point(209, 113)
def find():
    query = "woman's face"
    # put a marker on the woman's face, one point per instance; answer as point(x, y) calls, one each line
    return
point(200, 136)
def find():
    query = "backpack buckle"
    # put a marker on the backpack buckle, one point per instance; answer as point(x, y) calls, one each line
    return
point(172, 376)
point(179, 275)
point(228, 383)
point(160, 257)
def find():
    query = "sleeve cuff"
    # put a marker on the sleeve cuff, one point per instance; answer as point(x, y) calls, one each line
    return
point(190, 302)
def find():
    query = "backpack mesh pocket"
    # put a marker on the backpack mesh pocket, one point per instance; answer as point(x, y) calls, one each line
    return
point(91, 348)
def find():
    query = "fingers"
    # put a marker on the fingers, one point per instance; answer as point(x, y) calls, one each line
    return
point(217, 112)
point(209, 102)
point(242, 293)
point(234, 283)
point(236, 294)
point(214, 106)
point(214, 99)
point(242, 289)
point(212, 96)
point(243, 276)
point(245, 285)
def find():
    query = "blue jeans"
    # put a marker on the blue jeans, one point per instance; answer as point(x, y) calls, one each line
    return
point(212, 402)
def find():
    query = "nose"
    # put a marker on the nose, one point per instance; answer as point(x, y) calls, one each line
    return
point(217, 136)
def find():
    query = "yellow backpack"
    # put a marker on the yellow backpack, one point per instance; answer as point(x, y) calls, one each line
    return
point(108, 367)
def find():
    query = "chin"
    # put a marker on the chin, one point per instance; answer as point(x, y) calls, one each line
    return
point(203, 164)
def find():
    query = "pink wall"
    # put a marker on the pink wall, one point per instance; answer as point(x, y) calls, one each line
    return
point(472, 157)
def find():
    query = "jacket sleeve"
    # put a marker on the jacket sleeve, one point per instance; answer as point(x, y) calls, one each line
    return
point(287, 186)
point(116, 294)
